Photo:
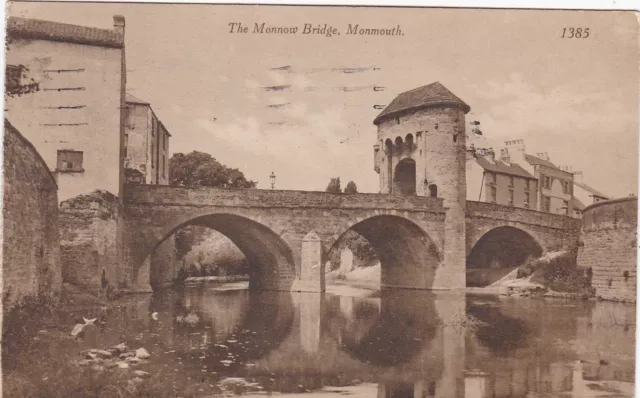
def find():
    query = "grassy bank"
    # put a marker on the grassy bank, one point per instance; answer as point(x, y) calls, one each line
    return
point(40, 358)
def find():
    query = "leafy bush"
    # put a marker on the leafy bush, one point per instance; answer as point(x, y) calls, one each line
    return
point(528, 268)
point(560, 274)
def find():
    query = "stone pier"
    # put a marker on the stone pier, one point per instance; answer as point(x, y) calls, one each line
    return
point(311, 278)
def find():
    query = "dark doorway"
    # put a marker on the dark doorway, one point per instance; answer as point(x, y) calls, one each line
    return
point(405, 177)
point(433, 190)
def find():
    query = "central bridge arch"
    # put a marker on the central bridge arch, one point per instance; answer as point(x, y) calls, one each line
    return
point(408, 256)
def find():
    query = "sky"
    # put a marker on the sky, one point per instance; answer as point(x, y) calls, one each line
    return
point(576, 99)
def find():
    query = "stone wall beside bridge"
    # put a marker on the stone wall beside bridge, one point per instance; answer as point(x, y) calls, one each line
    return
point(31, 251)
point(609, 247)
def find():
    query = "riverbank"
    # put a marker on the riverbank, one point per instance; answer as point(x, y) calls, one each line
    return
point(217, 279)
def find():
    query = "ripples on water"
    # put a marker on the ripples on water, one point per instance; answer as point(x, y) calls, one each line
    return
point(385, 344)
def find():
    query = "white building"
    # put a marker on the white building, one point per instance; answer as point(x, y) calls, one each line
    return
point(75, 118)
point(555, 186)
point(146, 144)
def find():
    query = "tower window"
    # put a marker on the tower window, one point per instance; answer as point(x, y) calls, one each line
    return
point(526, 199)
point(69, 161)
point(397, 120)
point(511, 181)
point(511, 197)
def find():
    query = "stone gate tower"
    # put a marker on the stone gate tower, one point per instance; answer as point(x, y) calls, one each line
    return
point(421, 150)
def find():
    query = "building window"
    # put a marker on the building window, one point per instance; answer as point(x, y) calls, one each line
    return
point(546, 182)
point(12, 77)
point(433, 190)
point(397, 120)
point(491, 178)
point(511, 197)
point(546, 203)
point(164, 141)
point(527, 184)
point(126, 144)
point(511, 181)
point(70, 161)
point(163, 173)
point(526, 199)
point(565, 207)
point(566, 188)
point(493, 194)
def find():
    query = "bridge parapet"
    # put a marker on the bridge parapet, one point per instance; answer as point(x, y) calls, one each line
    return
point(513, 214)
point(262, 198)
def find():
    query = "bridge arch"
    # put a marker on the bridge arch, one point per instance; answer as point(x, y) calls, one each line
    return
point(499, 251)
point(393, 334)
point(270, 258)
point(408, 255)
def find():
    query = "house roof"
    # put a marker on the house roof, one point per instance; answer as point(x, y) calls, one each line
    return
point(130, 99)
point(577, 204)
point(27, 28)
point(433, 94)
point(503, 168)
point(593, 191)
point(535, 161)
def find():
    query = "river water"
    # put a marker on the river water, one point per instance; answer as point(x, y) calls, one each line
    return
point(207, 339)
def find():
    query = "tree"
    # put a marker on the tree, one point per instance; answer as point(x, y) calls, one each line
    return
point(334, 185)
point(351, 188)
point(198, 169)
point(17, 81)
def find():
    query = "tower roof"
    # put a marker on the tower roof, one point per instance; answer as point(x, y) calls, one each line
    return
point(433, 94)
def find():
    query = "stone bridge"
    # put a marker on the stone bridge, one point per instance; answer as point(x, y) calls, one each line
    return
point(285, 235)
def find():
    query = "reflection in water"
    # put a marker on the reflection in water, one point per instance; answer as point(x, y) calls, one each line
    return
point(408, 343)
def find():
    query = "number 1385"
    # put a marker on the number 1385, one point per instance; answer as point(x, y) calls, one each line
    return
point(575, 33)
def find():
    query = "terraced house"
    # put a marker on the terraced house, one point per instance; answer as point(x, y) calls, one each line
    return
point(516, 178)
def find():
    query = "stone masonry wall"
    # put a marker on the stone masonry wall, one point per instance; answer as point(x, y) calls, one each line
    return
point(88, 231)
point(262, 198)
point(551, 231)
point(609, 247)
point(31, 252)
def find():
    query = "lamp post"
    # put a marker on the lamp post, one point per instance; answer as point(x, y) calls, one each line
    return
point(272, 178)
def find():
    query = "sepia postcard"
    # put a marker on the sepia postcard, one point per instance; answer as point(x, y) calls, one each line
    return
point(216, 200)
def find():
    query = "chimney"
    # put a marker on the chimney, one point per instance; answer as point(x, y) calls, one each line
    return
point(118, 24)
point(578, 177)
point(515, 151)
